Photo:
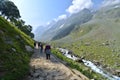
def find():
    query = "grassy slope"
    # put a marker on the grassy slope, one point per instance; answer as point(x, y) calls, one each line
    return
point(14, 58)
point(97, 40)
point(78, 66)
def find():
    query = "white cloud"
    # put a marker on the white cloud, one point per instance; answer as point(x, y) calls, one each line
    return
point(110, 2)
point(61, 17)
point(78, 5)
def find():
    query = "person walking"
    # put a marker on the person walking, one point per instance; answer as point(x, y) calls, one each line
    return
point(41, 47)
point(48, 51)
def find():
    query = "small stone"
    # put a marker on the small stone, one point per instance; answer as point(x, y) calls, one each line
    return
point(28, 48)
point(14, 49)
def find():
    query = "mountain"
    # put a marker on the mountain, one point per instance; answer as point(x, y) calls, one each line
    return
point(38, 32)
point(41, 30)
point(51, 32)
point(14, 53)
point(110, 11)
point(97, 40)
point(63, 27)
point(76, 19)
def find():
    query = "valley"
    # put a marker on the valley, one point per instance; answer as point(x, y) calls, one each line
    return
point(96, 40)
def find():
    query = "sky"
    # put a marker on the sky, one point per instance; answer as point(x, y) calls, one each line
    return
point(41, 12)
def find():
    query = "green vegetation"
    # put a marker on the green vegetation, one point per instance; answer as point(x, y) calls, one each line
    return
point(97, 41)
point(9, 11)
point(79, 66)
point(14, 59)
point(27, 29)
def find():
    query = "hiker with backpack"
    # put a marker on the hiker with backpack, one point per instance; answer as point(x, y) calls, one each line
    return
point(48, 51)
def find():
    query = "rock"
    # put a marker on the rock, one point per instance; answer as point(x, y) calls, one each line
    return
point(96, 63)
point(106, 43)
point(60, 77)
point(36, 75)
point(104, 66)
point(13, 49)
point(117, 72)
point(79, 60)
point(41, 78)
point(83, 57)
point(118, 55)
point(1, 32)
point(28, 48)
point(69, 52)
point(9, 41)
point(113, 50)
point(17, 37)
point(87, 44)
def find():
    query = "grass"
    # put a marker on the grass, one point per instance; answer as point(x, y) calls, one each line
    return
point(79, 66)
point(97, 40)
point(14, 59)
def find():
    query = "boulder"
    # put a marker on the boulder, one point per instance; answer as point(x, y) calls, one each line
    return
point(87, 44)
point(28, 48)
point(17, 37)
point(117, 72)
point(96, 63)
point(8, 40)
point(1, 32)
point(79, 60)
point(13, 49)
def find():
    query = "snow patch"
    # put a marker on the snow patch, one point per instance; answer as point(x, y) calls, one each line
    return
point(61, 26)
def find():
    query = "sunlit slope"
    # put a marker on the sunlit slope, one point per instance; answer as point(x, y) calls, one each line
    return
point(99, 30)
point(97, 40)
point(14, 58)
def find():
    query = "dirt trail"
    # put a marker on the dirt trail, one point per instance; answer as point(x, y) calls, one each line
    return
point(53, 69)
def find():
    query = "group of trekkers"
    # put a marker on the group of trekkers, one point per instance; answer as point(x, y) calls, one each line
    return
point(46, 50)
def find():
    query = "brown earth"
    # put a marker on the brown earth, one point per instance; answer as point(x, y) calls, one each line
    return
point(53, 69)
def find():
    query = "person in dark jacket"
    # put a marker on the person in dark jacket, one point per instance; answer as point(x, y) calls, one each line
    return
point(47, 51)
point(34, 44)
point(41, 47)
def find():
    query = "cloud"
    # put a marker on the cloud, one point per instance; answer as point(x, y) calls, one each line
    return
point(110, 2)
point(78, 5)
point(61, 17)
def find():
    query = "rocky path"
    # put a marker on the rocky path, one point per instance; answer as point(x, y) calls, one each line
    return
point(53, 69)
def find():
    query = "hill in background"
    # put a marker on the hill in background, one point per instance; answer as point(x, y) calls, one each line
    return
point(97, 40)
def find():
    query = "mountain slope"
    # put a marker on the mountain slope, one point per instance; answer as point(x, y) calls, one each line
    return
point(51, 32)
point(63, 27)
point(76, 19)
point(14, 57)
point(38, 32)
point(97, 40)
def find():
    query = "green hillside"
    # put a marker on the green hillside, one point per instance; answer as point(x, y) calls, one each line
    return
point(14, 58)
point(98, 41)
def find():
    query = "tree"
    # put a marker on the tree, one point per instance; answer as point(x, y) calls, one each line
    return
point(31, 35)
point(19, 23)
point(9, 9)
point(2, 4)
point(27, 29)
